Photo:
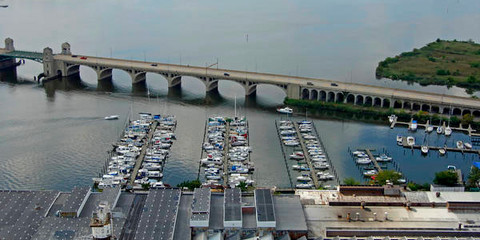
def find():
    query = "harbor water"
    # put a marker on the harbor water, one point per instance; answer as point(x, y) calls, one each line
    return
point(54, 137)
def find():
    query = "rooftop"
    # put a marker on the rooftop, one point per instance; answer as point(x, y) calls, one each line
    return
point(264, 205)
point(233, 208)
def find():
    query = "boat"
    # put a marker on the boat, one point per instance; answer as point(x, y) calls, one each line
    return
point(460, 144)
point(392, 118)
point(413, 126)
point(4, 6)
point(111, 117)
point(304, 185)
point(399, 139)
point(429, 129)
point(410, 141)
point(297, 156)
point(448, 131)
point(285, 110)
point(304, 178)
point(370, 173)
point(451, 168)
point(424, 149)
point(301, 168)
point(383, 158)
point(467, 145)
point(439, 129)
point(363, 161)
point(442, 151)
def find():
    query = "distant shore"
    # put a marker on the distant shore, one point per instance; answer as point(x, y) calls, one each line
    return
point(450, 63)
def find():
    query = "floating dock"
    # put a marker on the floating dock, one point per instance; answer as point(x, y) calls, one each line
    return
point(140, 158)
point(307, 156)
point(469, 130)
point(374, 160)
point(284, 155)
point(447, 149)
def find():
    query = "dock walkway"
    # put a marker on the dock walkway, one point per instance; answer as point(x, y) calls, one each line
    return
point(374, 160)
point(225, 153)
point(307, 156)
point(326, 153)
point(140, 158)
point(284, 154)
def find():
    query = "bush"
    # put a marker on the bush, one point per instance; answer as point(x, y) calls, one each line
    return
point(190, 184)
point(387, 175)
point(431, 59)
point(447, 178)
point(350, 181)
point(473, 177)
point(475, 65)
point(471, 79)
point(443, 72)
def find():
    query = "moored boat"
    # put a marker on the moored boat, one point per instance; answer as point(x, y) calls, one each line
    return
point(460, 144)
point(413, 126)
point(424, 149)
point(467, 145)
point(285, 110)
point(439, 130)
point(442, 151)
point(111, 117)
point(410, 140)
point(448, 131)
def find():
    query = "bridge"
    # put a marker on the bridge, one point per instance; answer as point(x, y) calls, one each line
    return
point(66, 64)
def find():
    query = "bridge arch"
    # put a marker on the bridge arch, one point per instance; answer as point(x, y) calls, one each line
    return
point(386, 103)
point(435, 109)
point(231, 88)
point(359, 100)
point(457, 111)
point(270, 94)
point(331, 97)
point(407, 105)
point(351, 98)
point(447, 111)
point(426, 107)
point(314, 95)
point(398, 104)
point(368, 101)
point(340, 97)
point(476, 113)
point(416, 107)
point(466, 111)
point(88, 75)
point(305, 94)
point(377, 102)
point(323, 96)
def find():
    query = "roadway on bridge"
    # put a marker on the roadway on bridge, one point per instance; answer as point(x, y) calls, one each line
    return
point(275, 79)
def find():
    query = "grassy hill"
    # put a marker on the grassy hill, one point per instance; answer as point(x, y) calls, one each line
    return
point(440, 63)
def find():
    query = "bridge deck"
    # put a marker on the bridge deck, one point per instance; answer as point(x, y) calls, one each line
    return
point(265, 78)
point(23, 54)
point(275, 79)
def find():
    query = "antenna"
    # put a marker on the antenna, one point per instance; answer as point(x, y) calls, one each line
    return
point(235, 106)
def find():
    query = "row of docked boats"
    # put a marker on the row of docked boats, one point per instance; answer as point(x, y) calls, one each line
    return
point(157, 152)
point(288, 134)
point(361, 158)
point(239, 166)
point(410, 140)
point(413, 126)
point(122, 158)
point(213, 148)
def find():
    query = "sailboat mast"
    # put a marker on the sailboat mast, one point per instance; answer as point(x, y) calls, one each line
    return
point(235, 106)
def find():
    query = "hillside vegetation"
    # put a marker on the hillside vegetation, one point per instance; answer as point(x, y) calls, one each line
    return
point(451, 63)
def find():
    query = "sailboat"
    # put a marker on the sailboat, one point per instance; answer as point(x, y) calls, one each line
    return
point(448, 131)
point(285, 110)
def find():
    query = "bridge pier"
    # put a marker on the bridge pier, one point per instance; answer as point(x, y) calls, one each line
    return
point(137, 76)
point(211, 84)
point(250, 89)
point(174, 80)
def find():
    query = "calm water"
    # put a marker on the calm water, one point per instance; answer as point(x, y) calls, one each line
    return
point(52, 138)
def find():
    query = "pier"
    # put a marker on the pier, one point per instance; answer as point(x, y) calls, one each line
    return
point(447, 149)
point(225, 153)
point(284, 155)
point(140, 158)
point(375, 163)
point(469, 130)
point(307, 156)
point(326, 153)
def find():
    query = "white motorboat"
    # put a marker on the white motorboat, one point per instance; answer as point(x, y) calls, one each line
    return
point(429, 129)
point(370, 173)
point(321, 165)
point(304, 178)
point(291, 143)
point(413, 126)
point(363, 161)
point(383, 158)
point(410, 141)
point(467, 145)
point(460, 144)
point(442, 151)
point(285, 110)
point(451, 168)
point(439, 129)
point(448, 131)
point(304, 185)
point(287, 132)
point(111, 117)
point(358, 152)
point(392, 118)
point(325, 176)
point(301, 168)
point(296, 156)
point(424, 149)
point(399, 140)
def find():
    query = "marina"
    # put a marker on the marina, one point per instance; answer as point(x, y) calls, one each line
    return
point(138, 158)
point(312, 168)
point(427, 126)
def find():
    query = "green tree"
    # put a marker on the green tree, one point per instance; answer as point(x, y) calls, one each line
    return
point(350, 181)
point(467, 119)
point(243, 186)
point(447, 178)
point(473, 177)
point(387, 175)
point(190, 184)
